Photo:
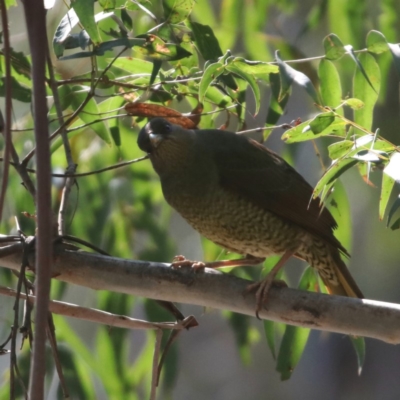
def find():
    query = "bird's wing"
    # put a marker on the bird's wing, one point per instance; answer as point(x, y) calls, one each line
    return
point(251, 171)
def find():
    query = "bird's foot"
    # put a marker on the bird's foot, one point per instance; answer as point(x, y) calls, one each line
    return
point(183, 262)
point(262, 289)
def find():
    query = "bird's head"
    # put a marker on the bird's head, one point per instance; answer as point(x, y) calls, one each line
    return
point(159, 135)
point(168, 144)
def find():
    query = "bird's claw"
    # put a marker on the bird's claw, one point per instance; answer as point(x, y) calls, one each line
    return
point(182, 262)
point(262, 289)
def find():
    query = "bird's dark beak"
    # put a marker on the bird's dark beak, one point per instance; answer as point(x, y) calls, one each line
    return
point(155, 139)
point(147, 140)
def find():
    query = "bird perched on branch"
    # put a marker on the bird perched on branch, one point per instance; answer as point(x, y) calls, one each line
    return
point(247, 199)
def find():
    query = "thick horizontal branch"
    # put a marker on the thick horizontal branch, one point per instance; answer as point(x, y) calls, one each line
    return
point(215, 289)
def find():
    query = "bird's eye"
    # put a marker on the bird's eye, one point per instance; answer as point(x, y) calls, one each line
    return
point(167, 127)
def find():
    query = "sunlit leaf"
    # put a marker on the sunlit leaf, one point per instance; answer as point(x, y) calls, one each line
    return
point(333, 172)
point(376, 42)
point(363, 90)
point(85, 11)
point(321, 122)
point(386, 190)
point(339, 149)
point(355, 104)
point(367, 68)
point(303, 132)
point(330, 86)
point(333, 46)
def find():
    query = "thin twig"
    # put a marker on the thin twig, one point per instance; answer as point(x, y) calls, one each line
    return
point(51, 336)
point(101, 317)
point(154, 371)
point(71, 166)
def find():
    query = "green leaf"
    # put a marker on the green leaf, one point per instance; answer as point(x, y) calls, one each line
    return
point(355, 104)
point(206, 41)
point(276, 107)
point(250, 80)
point(330, 86)
point(261, 70)
point(333, 172)
point(90, 113)
point(156, 49)
point(62, 37)
point(321, 122)
point(132, 65)
point(18, 92)
point(333, 46)
point(386, 190)
point(363, 90)
point(339, 149)
point(359, 346)
point(289, 75)
point(303, 132)
point(362, 69)
point(295, 338)
point(176, 11)
point(376, 42)
point(85, 11)
point(210, 74)
point(269, 330)
point(393, 209)
point(111, 107)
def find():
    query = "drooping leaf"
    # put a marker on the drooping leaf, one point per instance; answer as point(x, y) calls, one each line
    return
point(363, 89)
point(295, 338)
point(359, 347)
point(330, 86)
point(206, 41)
point(289, 75)
point(85, 11)
point(386, 190)
point(212, 72)
point(276, 107)
point(250, 80)
point(333, 172)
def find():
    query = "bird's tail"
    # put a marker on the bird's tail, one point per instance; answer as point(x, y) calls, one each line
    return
point(343, 284)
